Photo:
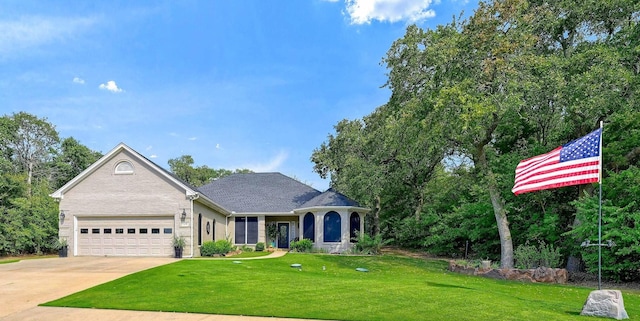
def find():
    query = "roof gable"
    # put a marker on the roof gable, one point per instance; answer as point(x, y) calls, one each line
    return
point(118, 150)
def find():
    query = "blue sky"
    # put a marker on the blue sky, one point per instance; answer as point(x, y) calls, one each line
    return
point(254, 84)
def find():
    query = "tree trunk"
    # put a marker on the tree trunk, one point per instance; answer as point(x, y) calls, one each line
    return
point(376, 216)
point(506, 244)
point(418, 209)
point(29, 177)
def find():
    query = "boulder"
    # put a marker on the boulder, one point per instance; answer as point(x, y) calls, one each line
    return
point(605, 303)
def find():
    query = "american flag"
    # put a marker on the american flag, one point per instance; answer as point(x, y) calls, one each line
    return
point(575, 163)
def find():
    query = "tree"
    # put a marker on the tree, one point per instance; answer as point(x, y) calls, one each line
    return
point(72, 160)
point(183, 168)
point(29, 142)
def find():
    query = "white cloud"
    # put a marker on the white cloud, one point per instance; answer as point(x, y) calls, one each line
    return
point(271, 166)
point(153, 156)
point(217, 146)
point(363, 11)
point(192, 138)
point(78, 80)
point(111, 86)
point(33, 31)
point(150, 147)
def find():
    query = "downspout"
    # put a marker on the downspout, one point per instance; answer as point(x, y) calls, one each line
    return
point(191, 198)
point(192, 227)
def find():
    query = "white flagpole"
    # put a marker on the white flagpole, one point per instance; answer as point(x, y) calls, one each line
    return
point(600, 214)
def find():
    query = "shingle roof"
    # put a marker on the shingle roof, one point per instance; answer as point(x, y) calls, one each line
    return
point(330, 198)
point(259, 193)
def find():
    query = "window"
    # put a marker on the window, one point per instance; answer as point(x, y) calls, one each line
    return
point(252, 230)
point(200, 229)
point(168, 230)
point(354, 226)
point(213, 231)
point(84, 231)
point(155, 231)
point(246, 230)
point(131, 231)
point(332, 224)
point(119, 230)
point(123, 167)
point(143, 231)
point(241, 233)
point(309, 227)
point(107, 231)
point(95, 231)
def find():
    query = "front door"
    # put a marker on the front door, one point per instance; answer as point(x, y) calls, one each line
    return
point(283, 235)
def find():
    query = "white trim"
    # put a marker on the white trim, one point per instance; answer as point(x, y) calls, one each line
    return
point(362, 210)
point(75, 235)
point(123, 172)
point(192, 226)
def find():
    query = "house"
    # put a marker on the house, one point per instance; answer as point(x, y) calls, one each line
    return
point(126, 205)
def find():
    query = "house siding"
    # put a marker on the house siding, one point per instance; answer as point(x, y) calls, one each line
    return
point(106, 194)
point(216, 220)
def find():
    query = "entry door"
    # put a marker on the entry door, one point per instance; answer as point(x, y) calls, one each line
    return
point(283, 235)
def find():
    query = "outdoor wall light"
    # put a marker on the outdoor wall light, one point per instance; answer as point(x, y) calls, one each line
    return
point(61, 215)
point(184, 214)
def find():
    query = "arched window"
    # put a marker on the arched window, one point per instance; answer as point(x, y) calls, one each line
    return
point(354, 226)
point(123, 167)
point(332, 230)
point(213, 231)
point(309, 227)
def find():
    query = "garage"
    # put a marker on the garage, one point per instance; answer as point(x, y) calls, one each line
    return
point(125, 236)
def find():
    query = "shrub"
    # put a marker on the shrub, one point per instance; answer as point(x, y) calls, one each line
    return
point(221, 247)
point(259, 246)
point(246, 248)
point(304, 245)
point(368, 245)
point(207, 248)
point(530, 257)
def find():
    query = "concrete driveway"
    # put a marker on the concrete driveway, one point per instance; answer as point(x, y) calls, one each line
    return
point(25, 284)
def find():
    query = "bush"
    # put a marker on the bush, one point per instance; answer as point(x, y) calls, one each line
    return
point(259, 247)
point(304, 245)
point(246, 248)
point(530, 257)
point(221, 247)
point(368, 245)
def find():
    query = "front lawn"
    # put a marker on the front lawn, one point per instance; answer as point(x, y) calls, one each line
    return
point(395, 288)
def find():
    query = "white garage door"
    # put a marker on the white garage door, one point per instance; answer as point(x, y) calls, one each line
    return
point(134, 236)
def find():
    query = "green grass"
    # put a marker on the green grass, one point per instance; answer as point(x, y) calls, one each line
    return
point(396, 288)
point(14, 259)
point(250, 254)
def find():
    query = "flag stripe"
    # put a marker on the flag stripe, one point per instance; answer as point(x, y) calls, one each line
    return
point(575, 163)
point(558, 169)
point(536, 161)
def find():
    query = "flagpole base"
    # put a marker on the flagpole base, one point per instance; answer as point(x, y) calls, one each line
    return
point(605, 303)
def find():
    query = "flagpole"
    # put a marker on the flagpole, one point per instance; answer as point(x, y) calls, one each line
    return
point(600, 214)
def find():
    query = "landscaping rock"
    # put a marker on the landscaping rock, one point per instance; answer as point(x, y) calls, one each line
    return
point(541, 274)
point(605, 303)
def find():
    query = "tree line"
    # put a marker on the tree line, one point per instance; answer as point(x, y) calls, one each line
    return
point(34, 162)
point(469, 100)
